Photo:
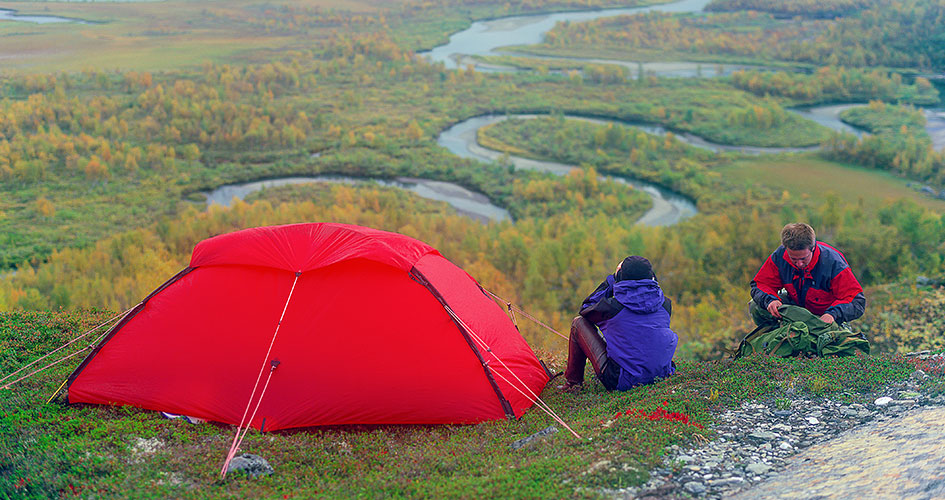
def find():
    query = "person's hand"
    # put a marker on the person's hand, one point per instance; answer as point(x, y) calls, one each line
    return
point(827, 318)
point(773, 308)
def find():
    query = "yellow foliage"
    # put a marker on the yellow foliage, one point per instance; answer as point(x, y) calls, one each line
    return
point(44, 207)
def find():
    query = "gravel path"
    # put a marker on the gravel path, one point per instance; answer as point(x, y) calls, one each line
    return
point(895, 458)
point(813, 448)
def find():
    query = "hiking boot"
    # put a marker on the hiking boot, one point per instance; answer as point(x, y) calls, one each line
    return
point(571, 388)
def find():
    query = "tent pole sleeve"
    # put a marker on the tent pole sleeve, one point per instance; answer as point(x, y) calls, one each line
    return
point(417, 276)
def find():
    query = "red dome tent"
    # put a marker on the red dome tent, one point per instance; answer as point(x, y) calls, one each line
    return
point(361, 327)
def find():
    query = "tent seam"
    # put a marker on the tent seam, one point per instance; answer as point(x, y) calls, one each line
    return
point(121, 323)
point(417, 276)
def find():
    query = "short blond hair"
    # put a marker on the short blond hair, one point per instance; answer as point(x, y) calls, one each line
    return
point(798, 236)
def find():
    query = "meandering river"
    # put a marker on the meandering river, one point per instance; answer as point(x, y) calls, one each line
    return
point(11, 15)
point(935, 126)
point(484, 38)
point(466, 202)
point(668, 207)
point(488, 37)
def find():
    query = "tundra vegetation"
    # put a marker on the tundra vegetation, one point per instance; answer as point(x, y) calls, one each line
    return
point(121, 452)
point(111, 132)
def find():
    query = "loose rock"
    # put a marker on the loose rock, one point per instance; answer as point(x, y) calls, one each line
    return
point(694, 487)
point(763, 435)
point(757, 468)
point(253, 465)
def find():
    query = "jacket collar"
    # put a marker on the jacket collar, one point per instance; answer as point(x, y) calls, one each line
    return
point(813, 260)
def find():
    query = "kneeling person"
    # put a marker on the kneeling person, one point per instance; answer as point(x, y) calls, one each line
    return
point(637, 345)
point(814, 275)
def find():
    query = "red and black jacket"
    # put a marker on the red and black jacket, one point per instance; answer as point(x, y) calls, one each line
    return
point(826, 285)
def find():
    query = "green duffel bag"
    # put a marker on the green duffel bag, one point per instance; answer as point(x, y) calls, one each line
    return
point(801, 332)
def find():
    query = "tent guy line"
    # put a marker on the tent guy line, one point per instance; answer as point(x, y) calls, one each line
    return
point(237, 439)
point(531, 394)
point(67, 344)
point(522, 311)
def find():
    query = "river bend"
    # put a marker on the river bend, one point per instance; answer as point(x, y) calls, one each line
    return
point(484, 38)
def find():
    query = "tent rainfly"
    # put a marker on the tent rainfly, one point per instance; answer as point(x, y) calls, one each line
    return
point(315, 324)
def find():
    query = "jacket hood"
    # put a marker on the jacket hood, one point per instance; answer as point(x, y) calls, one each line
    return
point(639, 296)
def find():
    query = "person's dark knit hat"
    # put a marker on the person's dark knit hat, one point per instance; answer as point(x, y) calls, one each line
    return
point(635, 268)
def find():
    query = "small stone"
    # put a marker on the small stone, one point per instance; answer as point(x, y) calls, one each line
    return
point(685, 458)
point(816, 414)
point(534, 438)
point(763, 435)
point(883, 401)
point(694, 468)
point(711, 465)
point(757, 468)
point(783, 413)
point(812, 420)
point(147, 446)
point(785, 446)
point(782, 427)
point(253, 465)
point(694, 487)
point(729, 481)
point(848, 412)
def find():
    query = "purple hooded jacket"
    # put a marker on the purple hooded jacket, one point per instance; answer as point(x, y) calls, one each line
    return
point(633, 315)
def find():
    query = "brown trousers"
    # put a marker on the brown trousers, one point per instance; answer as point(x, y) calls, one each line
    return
point(586, 342)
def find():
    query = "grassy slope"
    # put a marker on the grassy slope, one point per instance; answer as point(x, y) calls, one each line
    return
point(635, 54)
point(156, 35)
point(809, 176)
point(803, 176)
point(146, 35)
point(51, 450)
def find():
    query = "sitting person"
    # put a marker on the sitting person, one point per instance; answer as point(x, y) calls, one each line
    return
point(813, 274)
point(637, 345)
